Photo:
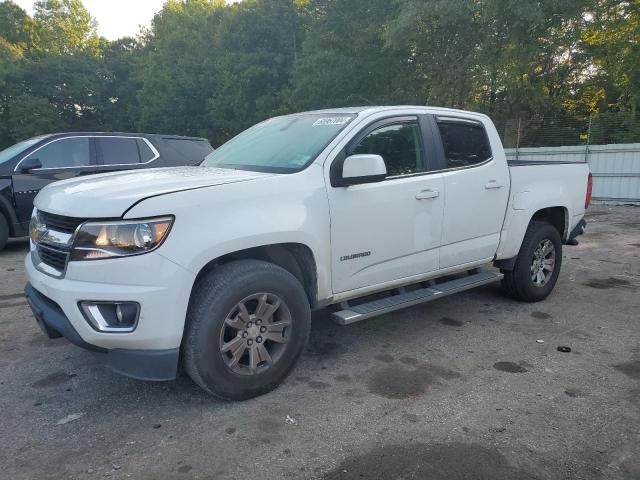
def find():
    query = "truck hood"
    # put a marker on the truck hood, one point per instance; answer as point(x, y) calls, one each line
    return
point(112, 194)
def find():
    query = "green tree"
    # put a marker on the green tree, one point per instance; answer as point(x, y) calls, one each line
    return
point(258, 42)
point(29, 116)
point(14, 24)
point(610, 35)
point(346, 61)
point(177, 68)
point(64, 26)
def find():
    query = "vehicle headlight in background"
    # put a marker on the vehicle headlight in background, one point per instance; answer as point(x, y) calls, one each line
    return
point(100, 240)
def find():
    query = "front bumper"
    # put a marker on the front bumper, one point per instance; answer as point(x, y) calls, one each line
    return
point(154, 365)
point(162, 289)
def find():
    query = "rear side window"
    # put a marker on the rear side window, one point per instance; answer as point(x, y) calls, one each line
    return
point(68, 152)
point(465, 143)
point(190, 149)
point(118, 150)
point(146, 154)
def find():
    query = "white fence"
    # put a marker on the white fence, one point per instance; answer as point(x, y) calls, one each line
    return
point(615, 168)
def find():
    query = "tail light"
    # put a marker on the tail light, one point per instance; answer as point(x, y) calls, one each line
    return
point(587, 201)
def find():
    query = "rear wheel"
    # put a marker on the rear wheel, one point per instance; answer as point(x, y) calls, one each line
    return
point(538, 264)
point(247, 326)
point(4, 231)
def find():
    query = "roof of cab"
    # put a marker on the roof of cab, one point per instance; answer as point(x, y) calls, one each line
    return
point(376, 109)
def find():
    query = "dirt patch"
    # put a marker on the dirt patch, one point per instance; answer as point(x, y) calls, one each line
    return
point(269, 425)
point(318, 385)
point(409, 361)
point(606, 283)
point(12, 296)
point(428, 462)
point(630, 369)
point(385, 357)
point(410, 417)
point(39, 340)
point(12, 305)
point(53, 380)
point(324, 349)
point(509, 367)
point(451, 322)
point(628, 224)
point(541, 315)
point(398, 382)
point(574, 393)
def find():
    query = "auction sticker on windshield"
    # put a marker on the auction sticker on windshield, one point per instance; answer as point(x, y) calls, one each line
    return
point(321, 122)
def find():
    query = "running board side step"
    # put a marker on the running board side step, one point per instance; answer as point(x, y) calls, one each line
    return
point(352, 314)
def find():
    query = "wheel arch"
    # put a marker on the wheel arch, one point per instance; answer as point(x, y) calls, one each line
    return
point(557, 216)
point(296, 258)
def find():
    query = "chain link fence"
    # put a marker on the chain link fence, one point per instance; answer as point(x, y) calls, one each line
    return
point(609, 142)
point(601, 129)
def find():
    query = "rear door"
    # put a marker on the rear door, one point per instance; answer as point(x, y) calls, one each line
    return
point(476, 190)
point(61, 158)
point(125, 153)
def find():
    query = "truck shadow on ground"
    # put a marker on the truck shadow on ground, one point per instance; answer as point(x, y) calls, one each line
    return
point(359, 360)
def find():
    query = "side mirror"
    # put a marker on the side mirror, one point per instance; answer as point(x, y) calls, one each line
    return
point(359, 169)
point(30, 164)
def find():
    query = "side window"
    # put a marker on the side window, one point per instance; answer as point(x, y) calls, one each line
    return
point(68, 152)
point(118, 150)
point(399, 144)
point(189, 150)
point(146, 154)
point(465, 144)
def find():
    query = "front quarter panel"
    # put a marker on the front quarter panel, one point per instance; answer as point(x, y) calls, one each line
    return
point(214, 221)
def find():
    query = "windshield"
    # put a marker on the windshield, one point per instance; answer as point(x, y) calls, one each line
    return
point(8, 153)
point(281, 145)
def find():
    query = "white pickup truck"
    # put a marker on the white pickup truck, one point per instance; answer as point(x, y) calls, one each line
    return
point(362, 210)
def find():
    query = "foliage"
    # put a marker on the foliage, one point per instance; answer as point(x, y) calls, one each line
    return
point(210, 69)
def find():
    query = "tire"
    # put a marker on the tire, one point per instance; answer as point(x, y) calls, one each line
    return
point(4, 231)
point(520, 283)
point(216, 319)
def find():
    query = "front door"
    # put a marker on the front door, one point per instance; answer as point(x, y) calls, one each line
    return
point(381, 232)
point(61, 159)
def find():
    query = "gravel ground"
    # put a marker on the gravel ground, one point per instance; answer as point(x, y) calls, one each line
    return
point(458, 388)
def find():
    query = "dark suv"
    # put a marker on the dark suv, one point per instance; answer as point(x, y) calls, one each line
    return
point(26, 167)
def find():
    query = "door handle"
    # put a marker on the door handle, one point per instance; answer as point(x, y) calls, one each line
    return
point(493, 184)
point(426, 194)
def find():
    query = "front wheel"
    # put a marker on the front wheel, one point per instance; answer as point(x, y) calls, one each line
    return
point(247, 325)
point(538, 264)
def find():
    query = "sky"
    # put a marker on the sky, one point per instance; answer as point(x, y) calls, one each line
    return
point(116, 18)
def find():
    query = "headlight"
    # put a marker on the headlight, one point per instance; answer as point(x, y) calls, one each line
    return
point(100, 240)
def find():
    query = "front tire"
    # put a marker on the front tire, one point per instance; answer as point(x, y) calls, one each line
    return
point(247, 325)
point(538, 264)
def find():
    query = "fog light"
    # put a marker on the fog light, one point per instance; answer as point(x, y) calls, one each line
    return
point(111, 316)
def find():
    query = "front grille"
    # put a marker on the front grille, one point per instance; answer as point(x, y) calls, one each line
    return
point(60, 223)
point(54, 258)
point(49, 251)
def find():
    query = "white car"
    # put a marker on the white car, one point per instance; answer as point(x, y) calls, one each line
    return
point(218, 266)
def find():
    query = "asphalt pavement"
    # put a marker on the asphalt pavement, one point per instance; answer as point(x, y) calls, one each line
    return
point(457, 388)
